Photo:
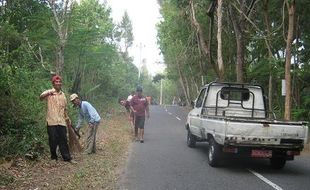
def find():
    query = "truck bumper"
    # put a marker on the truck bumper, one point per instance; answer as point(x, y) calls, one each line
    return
point(262, 152)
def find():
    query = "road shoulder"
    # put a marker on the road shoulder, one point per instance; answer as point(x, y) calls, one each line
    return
point(95, 171)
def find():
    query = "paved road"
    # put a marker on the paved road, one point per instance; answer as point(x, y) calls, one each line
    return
point(164, 162)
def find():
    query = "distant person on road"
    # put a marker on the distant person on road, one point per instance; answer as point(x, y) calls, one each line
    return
point(57, 119)
point(149, 99)
point(139, 105)
point(89, 113)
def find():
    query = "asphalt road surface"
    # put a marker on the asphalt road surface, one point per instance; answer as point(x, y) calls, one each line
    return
point(164, 162)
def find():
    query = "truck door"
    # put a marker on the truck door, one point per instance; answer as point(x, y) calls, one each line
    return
point(195, 114)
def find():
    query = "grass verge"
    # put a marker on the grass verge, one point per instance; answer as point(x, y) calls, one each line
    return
point(95, 171)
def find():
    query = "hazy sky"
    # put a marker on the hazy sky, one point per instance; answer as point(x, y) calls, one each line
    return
point(144, 15)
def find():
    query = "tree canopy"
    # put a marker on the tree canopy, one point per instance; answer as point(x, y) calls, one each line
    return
point(256, 37)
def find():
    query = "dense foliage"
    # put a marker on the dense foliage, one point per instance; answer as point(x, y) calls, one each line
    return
point(253, 35)
point(95, 65)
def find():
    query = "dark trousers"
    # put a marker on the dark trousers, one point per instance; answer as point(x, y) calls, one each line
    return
point(57, 136)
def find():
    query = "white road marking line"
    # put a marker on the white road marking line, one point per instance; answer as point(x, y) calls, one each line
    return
point(178, 118)
point(275, 186)
point(169, 113)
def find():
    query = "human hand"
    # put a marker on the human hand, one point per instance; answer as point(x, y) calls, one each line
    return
point(51, 92)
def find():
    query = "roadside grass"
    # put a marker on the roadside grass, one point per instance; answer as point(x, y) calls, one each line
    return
point(95, 171)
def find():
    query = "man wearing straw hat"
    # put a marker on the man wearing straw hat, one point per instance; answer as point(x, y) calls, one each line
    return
point(89, 113)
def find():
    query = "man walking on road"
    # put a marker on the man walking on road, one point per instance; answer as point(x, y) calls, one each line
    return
point(89, 113)
point(139, 106)
point(57, 119)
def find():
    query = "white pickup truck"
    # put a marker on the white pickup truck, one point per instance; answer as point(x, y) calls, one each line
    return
point(232, 117)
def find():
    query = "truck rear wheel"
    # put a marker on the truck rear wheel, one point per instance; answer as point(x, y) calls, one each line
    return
point(191, 139)
point(277, 162)
point(214, 153)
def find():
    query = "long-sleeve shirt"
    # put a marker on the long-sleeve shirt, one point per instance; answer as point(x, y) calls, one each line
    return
point(89, 113)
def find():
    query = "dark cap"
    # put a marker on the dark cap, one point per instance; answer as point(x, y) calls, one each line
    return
point(139, 89)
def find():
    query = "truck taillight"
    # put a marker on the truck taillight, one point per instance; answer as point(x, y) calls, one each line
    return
point(292, 153)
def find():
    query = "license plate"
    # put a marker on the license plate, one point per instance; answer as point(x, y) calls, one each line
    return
point(261, 153)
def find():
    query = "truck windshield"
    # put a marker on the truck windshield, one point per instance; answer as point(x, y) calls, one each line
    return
point(233, 93)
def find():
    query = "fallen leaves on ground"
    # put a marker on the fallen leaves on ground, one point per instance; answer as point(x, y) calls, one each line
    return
point(94, 171)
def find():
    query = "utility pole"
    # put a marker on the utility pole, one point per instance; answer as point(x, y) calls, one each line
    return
point(140, 61)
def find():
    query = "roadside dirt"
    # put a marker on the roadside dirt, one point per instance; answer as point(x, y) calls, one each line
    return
point(96, 171)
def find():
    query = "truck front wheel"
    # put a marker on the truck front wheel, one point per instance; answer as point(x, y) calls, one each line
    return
point(214, 153)
point(191, 139)
point(277, 162)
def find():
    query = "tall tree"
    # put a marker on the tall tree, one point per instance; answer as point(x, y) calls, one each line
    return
point(270, 53)
point(219, 39)
point(61, 12)
point(126, 32)
point(291, 8)
point(203, 44)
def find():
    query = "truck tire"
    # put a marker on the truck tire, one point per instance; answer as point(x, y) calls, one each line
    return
point(277, 162)
point(191, 139)
point(214, 153)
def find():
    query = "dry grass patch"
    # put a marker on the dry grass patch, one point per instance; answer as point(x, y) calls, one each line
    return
point(96, 171)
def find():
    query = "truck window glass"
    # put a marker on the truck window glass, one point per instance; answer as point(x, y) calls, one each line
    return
point(232, 93)
point(200, 98)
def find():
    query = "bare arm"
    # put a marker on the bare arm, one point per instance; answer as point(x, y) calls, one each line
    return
point(147, 111)
point(133, 110)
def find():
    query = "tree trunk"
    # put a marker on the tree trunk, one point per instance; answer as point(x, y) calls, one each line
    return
point(240, 57)
point(270, 55)
point(60, 25)
point(203, 43)
point(187, 90)
point(288, 54)
point(60, 58)
point(219, 40)
point(193, 79)
point(182, 81)
point(239, 27)
point(238, 18)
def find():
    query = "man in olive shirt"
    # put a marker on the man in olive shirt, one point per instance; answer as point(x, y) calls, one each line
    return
point(57, 119)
